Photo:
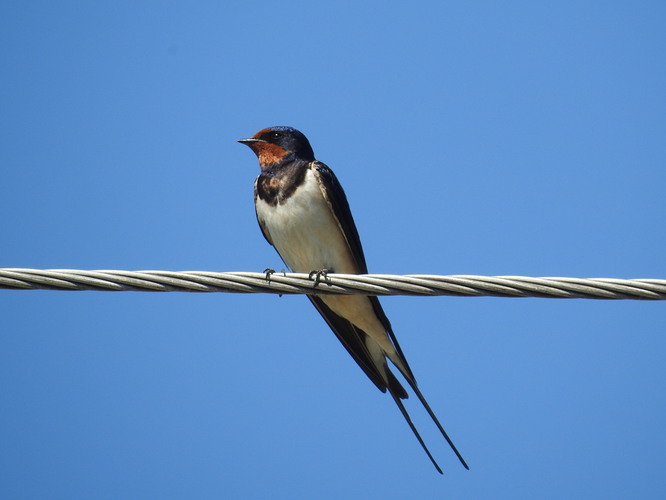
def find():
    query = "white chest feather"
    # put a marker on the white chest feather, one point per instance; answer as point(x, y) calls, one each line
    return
point(305, 232)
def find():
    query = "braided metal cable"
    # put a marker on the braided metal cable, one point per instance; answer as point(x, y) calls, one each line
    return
point(297, 283)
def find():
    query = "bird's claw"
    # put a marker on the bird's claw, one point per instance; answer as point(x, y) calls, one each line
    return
point(318, 274)
point(270, 271)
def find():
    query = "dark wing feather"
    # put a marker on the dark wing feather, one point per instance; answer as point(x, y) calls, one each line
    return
point(353, 340)
point(337, 200)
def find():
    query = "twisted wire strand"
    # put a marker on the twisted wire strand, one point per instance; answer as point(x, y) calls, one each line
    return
point(345, 284)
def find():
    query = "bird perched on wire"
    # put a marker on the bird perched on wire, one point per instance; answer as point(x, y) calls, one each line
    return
point(303, 212)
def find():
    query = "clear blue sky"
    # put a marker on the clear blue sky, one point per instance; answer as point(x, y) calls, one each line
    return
point(495, 138)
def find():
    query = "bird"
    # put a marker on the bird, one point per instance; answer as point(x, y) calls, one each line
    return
point(303, 212)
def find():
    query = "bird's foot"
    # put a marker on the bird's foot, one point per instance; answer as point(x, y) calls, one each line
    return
point(318, 274)
point(268, 271)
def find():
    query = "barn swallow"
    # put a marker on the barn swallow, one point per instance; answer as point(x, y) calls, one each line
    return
point(303, 212)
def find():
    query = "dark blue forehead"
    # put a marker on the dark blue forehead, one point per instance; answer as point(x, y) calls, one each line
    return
point(282, 128)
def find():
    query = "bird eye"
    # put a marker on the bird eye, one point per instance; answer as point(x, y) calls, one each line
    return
point(276, 135)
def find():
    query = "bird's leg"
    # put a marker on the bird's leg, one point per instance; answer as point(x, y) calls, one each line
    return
point(318, 273)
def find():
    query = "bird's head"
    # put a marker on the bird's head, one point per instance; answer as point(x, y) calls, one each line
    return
point(277, 144)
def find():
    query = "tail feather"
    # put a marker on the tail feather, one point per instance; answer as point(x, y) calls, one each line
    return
point(425, 404)
point(373, 361)
point(413, 427)
point(396, 397)
point(395, 386)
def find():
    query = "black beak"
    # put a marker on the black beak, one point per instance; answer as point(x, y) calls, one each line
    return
point(248, 142)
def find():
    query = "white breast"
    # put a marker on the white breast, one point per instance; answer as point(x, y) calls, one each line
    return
point(305, 232)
